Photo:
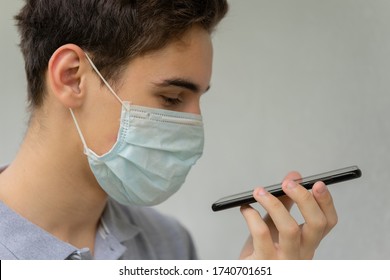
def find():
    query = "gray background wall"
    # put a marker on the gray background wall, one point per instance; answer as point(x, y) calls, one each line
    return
point(297, 84)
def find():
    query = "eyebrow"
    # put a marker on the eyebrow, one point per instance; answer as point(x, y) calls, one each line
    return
point(182, 83)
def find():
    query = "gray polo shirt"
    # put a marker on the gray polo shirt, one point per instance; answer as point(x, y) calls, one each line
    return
point(124, 233)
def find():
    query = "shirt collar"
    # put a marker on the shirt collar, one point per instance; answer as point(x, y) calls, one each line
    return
point(116, 221)
point(115, 229)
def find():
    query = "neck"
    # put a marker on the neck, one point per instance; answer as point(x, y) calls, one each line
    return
point(50, 184)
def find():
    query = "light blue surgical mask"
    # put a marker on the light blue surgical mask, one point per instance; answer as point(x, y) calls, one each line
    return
point(152, 156)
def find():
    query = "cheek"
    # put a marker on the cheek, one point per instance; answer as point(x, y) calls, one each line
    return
point(109, 139)
point(104, 144)
point(102, 133)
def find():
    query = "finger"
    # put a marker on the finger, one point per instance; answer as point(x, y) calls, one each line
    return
point(325, 201)
point(262, 242)
point(287, 202)
point(289, 231)
point(291, 176)
point(315, 219)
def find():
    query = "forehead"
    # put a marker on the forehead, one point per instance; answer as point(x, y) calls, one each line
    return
point(189, 57)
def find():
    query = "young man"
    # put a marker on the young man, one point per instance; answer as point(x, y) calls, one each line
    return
point(114, 88)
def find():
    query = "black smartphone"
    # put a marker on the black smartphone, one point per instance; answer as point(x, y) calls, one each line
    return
point(331, 177)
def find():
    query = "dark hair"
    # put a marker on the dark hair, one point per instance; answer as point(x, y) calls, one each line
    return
point(112, 31)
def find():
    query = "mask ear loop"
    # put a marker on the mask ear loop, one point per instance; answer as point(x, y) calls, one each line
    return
point(105, 82)
point(86, 150)
point(125, 105)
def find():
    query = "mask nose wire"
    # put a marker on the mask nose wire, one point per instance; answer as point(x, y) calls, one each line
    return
point(104, 80)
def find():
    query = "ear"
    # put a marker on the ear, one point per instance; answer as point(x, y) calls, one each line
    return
point(65, 74)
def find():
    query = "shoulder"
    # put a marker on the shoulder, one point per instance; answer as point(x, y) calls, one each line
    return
point(169, 238)
point(5, 253)
point(7, 231)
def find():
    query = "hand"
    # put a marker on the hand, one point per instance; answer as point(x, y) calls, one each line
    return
point(278, 235)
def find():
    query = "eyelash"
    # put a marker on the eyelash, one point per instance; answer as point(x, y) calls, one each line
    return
point(171, 101)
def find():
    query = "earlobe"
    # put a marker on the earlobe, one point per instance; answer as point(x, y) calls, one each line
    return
point(65, 74)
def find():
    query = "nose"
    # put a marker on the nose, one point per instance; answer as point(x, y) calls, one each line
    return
point(193, 107)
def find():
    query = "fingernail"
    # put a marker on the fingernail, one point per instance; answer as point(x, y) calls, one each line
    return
point(322, 189)
point(261, 192)
point(291, 184)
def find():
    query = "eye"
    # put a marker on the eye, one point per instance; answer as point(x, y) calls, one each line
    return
point(169, 101)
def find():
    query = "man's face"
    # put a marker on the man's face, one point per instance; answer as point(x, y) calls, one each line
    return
point(173, 78)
